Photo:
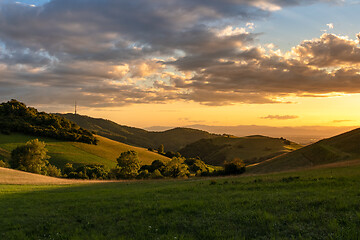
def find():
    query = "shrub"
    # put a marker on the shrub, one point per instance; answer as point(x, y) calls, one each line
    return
point(161, 149)
point(156, 175)
point(51, 170)
point(92, 171)
point(143, 174)
point(236, 166)
point(171, 154)
point(3, 164)
point(176, 168)
point(68, 169)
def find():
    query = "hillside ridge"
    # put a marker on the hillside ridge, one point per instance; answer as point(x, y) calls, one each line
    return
point(172, 139)
point(252, 149)
point(339, 148)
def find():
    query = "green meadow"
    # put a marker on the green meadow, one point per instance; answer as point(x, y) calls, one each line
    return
point(313, 204)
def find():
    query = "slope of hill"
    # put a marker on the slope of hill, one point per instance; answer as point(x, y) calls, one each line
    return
point(343, 147)
point(105, 152)
point(173, 139)
point(252, 149)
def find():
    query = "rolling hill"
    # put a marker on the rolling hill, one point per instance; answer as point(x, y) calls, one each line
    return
point(343, 147)
point(252, 149)
point(173, 139)
point(105, 152)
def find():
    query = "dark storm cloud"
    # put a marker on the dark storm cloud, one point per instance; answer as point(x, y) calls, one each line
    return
point(110, 52)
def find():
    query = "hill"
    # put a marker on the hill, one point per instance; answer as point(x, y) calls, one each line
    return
point(105, 152)
point(17, 117)
point(343, 147)
point(173, 139)
point(252, 149)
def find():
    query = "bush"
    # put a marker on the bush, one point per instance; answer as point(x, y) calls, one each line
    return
point(92, 171)
point(68, 169)
point(197, 166)
point(51, 170)
point(143, 174)
point(171, 154)
point(3, 164)
point(176, 168)
point(156, 175)
point(161, 149)
point(236, 166)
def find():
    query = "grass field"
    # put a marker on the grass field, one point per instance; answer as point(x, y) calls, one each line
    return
point(313, 204)
point(61, 152)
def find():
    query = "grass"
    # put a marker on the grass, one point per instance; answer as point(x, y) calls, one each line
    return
point(63, 152)
point(313, 204)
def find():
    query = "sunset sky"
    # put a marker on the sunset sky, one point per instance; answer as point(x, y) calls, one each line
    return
point(184, 62)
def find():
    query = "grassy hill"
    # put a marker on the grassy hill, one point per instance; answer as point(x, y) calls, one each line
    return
point(252, 149)
point(173, 139)
point(343, 147)
point(105, 152)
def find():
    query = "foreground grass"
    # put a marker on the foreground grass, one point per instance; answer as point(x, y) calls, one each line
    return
point(317, 204)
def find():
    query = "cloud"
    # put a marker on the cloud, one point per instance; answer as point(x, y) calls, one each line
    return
point(330, 25)
point(329, 50)
point(113, 53)
point(280, 117)
point(341, 121)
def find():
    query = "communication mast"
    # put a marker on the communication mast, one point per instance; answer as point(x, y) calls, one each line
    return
point(75, 108)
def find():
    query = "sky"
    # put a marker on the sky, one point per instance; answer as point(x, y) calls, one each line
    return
point(185, 62)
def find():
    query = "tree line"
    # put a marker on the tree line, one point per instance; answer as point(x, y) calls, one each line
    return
point(33, 157)
point(17, 117)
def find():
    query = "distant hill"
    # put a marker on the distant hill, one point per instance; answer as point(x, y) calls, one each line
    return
point(15, 116)
point(105, 152)
point(252, 149)
point(173, 139)
point(340, 148)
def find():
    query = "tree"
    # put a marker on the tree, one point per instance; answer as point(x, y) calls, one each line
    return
point(51, 170)
point(3, 164)
point(128, 164)
point(68, 169)
point(31, 157)
point(161, 149)
point(176, 168)
point(156, 165)
point(236, 166)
